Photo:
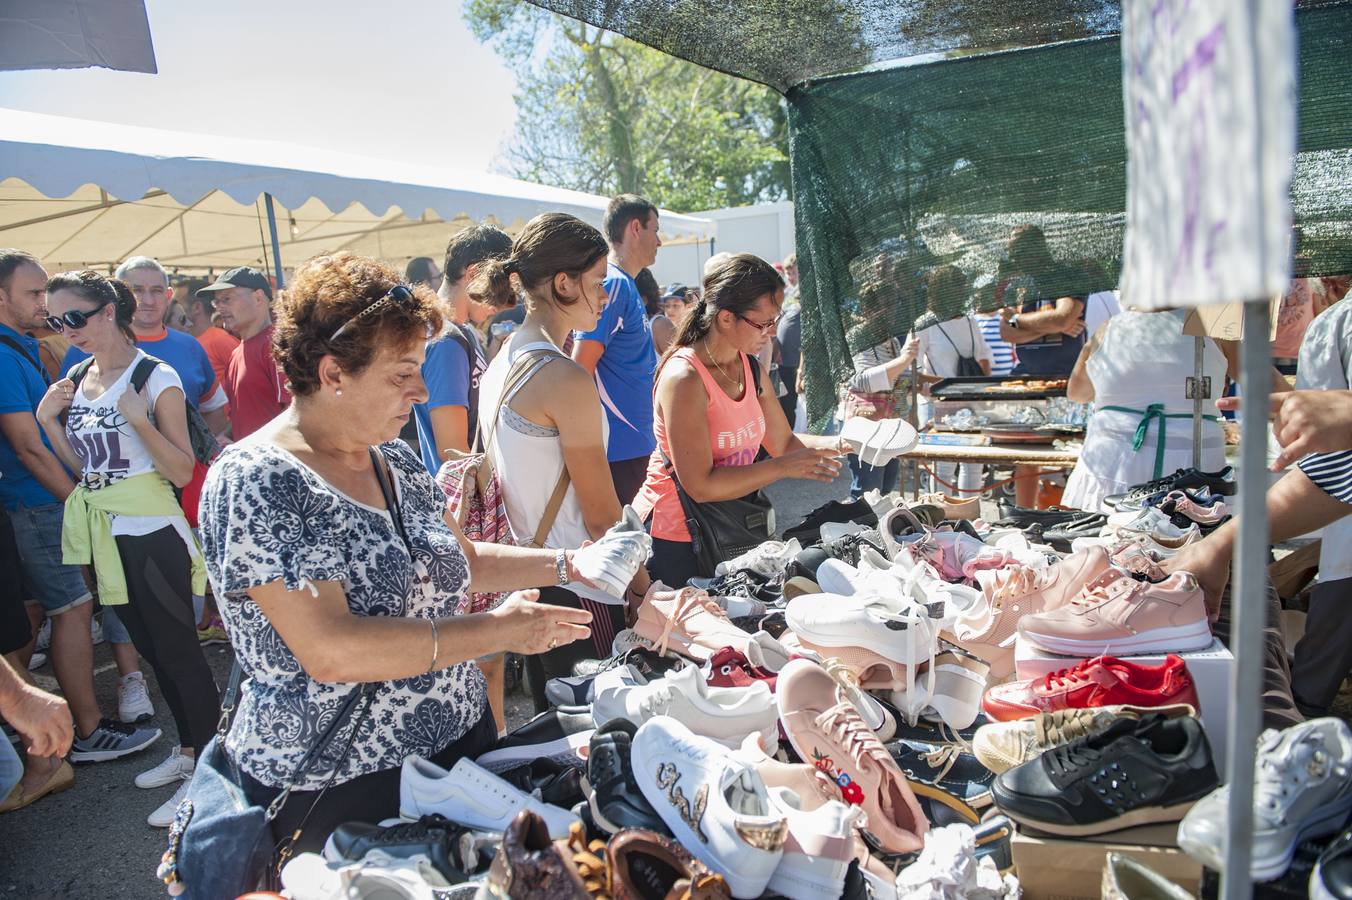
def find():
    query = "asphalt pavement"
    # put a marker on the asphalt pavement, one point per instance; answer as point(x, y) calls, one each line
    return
point(92, 841)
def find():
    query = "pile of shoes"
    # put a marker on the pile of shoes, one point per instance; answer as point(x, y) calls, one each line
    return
point(832, 715)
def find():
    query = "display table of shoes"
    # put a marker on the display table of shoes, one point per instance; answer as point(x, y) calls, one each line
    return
point(1072, 868)
point(1210, 671)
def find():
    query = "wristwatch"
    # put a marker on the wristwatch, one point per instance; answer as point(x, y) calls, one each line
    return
point(561, 567)
point(1014, 321)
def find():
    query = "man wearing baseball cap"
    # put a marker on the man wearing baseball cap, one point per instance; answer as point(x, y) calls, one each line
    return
point(253, 382)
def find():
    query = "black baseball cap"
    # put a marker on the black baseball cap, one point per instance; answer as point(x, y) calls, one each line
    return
point(242, 276)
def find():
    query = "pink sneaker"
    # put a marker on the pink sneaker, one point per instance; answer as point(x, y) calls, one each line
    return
point(827, 732)
point(687, 621)
point(1118, 614)
point(1179, 503)
point(988, 631)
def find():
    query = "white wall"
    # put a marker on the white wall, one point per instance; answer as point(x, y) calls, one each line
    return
point(765, 230)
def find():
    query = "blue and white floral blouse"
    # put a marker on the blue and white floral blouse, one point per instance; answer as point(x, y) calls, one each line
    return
point(266, 517)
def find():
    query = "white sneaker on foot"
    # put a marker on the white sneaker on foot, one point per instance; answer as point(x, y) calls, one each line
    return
point(133, 699)
point(163, 816)
point(176, 767)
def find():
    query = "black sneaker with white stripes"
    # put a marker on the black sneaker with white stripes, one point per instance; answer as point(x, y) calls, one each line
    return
point(112, 740)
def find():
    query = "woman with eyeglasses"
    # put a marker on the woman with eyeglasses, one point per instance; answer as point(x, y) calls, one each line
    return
point(126, 434)
point(715, 412)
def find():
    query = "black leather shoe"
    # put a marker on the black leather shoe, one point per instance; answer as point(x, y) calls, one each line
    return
point(432, 836)
point(1086, 525)
point(616, 800)
point(1332, 876)
point(809, 530)
point(553, 734)
point(1022, 516)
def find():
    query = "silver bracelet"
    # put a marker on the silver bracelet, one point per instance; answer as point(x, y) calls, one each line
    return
point(436, 646)
point(561, 566)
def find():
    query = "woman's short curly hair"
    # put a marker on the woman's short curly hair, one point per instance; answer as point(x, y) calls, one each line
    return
point(329, 291)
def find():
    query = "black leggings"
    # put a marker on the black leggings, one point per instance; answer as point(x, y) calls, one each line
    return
point(366, 798)
point(673, 563)
point(159, 618)
point(607, 621)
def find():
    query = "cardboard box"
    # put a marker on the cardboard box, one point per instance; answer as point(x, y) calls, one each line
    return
point(1210, 670)
point(1055, 868)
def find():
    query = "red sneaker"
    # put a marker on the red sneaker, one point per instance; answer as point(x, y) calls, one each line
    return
point(729, 667)
point(1102, 681)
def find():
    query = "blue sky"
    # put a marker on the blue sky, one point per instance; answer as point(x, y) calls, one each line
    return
point(395, 79)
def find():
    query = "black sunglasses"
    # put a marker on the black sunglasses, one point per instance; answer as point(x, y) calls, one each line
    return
point(400, 293)
point(75, 319)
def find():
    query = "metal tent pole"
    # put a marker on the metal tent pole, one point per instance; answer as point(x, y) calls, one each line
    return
point(1200, 389)
point(1248, 601)
point(276, 245)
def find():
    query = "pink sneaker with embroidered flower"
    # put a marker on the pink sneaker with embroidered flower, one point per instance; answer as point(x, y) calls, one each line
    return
point(1115, 613)
point(688, 621)
point(988, 630)
point(828, 733)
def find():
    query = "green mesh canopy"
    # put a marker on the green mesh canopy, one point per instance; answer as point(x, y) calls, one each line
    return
point(922, 132)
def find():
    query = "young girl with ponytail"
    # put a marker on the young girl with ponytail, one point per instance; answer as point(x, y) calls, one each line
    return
point(712, 418)
point(553, 419)
point(131, 449)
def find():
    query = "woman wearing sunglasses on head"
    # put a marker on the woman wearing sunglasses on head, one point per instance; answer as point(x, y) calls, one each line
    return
point(713, 417)
point(340, 580)
point(126, 435)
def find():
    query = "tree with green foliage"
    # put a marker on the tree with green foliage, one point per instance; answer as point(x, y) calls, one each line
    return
point(602, 114)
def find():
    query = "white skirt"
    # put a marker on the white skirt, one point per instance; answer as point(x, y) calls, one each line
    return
point(1108, 465)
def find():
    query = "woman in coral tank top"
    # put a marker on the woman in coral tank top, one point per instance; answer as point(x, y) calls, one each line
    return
point(712, 419)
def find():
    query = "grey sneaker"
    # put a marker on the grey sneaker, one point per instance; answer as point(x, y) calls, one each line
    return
point(769, 560)
point(613, 561)
point(112, 740)
point(1126, 879)
point(1302, 789)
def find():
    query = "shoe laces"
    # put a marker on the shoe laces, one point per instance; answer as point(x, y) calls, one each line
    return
point(844, 724)
point(847, 682)
point(943, 757)
point(1016, 581)
point(1067, 759)
point(589, 859)
point(1072, 676)
point(1061, 726)
point(689, 602)
point(1281, 774)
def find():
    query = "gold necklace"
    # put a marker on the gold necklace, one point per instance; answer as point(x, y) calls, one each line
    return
point(720, 366)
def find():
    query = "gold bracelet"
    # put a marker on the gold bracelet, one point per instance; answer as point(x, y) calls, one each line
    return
point(436, 646)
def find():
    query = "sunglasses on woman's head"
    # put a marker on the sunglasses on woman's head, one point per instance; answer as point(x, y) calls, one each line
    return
point(400, 293)
point(75, 318)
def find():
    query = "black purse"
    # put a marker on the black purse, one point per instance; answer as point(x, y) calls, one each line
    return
point(723, 529)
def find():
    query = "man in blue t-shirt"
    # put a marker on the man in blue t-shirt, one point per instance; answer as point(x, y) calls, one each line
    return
point(620, 349)
point(33, 488)
point(455, 359)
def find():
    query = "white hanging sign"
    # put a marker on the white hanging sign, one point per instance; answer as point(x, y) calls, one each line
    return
point(1209, 90)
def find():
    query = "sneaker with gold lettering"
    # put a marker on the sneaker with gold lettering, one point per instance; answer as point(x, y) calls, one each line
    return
point(715, 804)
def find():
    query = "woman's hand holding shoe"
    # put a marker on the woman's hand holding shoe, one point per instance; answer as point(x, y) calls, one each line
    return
point(533, 627)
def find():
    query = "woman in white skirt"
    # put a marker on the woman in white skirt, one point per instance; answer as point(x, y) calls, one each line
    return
point(1135, 370)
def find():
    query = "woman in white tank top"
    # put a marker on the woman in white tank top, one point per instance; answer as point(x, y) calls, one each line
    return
point(1135, 370)
point(554, 418)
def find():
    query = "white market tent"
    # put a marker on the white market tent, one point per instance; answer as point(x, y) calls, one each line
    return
point(81, 193)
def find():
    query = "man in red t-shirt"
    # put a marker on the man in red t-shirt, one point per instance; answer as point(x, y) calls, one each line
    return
point(253, 382)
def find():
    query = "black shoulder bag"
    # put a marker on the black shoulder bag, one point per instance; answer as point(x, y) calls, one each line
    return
point(723, 529)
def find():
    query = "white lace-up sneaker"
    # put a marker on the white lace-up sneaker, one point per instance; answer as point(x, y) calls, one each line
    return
point(714, 803)
point(612, 561)
point(723, 714)
point(133, 699)
point(472, 796)
point(163, 816)
point(822, 841)
point(894, 626)
point(1302, 789)
point(176, 767)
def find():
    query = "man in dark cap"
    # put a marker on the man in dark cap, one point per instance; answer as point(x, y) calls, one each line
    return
point(253, 382)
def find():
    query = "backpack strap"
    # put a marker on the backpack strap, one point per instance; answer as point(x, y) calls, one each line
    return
point(551, 509)
point(80, 370)
point(141, 374)
point(37, 364)
point(754, 362)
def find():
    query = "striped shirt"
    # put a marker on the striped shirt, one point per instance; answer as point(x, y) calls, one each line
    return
point(1331, 473)
point(1003, 359)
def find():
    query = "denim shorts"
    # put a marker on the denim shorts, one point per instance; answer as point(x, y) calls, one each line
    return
point(56, 586)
